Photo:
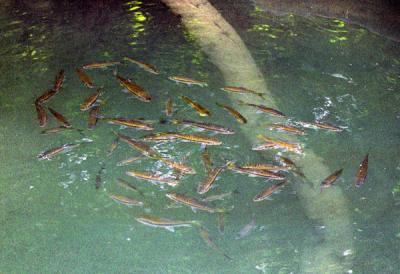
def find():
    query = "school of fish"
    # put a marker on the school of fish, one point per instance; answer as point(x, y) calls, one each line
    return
point(283, 169)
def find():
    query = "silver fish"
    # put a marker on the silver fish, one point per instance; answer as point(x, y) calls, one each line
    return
point(246, 230)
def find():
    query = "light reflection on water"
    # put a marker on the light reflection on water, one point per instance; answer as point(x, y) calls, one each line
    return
point(50, 208)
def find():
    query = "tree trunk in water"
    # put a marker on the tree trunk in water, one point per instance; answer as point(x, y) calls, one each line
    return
point(228, 52)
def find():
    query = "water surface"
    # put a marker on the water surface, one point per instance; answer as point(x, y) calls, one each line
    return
point(55, 221)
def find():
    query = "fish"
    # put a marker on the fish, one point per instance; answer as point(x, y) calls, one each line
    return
point(178, 175)
point(159, 136)
point(85, 78)
point(265, 109)
point(196, 106)
point(45, 96)
point(98, 65)
point(162, 136)
point(99, 181)
point(208, 126)
point(60, 118)
point(169, 107)
point(328, 126)
point(246, 230)
point(58, 129)
point(133, 88)
point(192, 202)
point(149, 152)
point(90, 100)
point(167, 224)
point(321, 125)
point(143, 148)
point(257, 172)
point(59, 80)
point(125, 200)
point(291, 129)
point(239, 117)
point(128, 161)
point(93, 117)
point(113, 146)
point(328, 181)
point(146, 67)
point(129, 186)
point(287, 162)
point(362, 172)
point(206, 158)
point(41, 114)
point(279, 144)
point(49, 154)
point(241, 90)
point(152, 178)
point(266, 167)
point(290, 164)
point(216, 197)
point(205, 140)
point(187, 81)
point(178, 166)
point(341, 76)
point(268, 192)
point(205, 186)
point(207, 239)
point(132, 123)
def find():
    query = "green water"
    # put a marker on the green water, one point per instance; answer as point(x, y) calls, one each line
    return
point(53, 220)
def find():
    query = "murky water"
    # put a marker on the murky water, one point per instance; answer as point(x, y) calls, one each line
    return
point(53, 220)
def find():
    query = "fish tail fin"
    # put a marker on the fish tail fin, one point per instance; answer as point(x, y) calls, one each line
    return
point(261, 95)
point(115, 133)
point(260, 136)
point(115, 71)
point(80, 132)
point(320, 189)
point(299, 173)
point(230, 164)
point(83, 142)
point(220, 105)
point(228, 257)
point(197, 223)
point(224, 210)
point(101, 90)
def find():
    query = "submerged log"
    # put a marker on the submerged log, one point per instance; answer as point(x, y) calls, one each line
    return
point(228, 52)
